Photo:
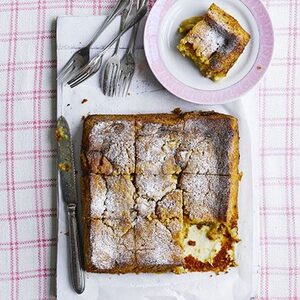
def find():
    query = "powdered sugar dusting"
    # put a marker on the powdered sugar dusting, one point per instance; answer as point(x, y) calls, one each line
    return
point(155, 186)
point(156, 145)
point(103, 246)
point(115, 140)
point(206, 147)
point(98, 195)
point(111, 196)
point(109, 248)
point(145, 207)
point(155, 245)
point(202, 159)
point(213, 40)
point(205, 196)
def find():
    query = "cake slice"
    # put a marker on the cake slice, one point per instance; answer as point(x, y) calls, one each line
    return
point(214, 43)
point(210, 198)
point(159, 223)
point(210, 221)
point(158, 245)
point(210, 144)
point(107, 247)
point(108, 145)
point(108, 228)
point(157, 139)
point(107, 196)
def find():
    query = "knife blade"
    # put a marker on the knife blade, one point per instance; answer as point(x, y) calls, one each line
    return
point(66, 166)
point(66, 161)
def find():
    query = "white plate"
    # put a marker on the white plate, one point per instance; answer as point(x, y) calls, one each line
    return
point(184, 69)
point(180, 76)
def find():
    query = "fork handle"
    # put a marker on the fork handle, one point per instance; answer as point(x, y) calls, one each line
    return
point(124, 17)
point(133, 20)
point(121, 6)
point(135, 30)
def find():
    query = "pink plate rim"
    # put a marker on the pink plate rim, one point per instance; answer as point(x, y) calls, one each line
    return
point(179, 89)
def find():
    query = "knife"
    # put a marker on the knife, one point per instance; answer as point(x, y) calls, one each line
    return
point(68, 187)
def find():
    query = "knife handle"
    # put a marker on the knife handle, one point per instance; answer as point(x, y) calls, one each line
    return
point(77, 274)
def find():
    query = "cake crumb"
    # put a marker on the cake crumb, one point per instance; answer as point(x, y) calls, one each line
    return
point(191, 243)
point(84, 101)
point(258, 67)
point(64, 167)
point(241, 174)
point(68, 104)
point(176, 111)
point(82, 118)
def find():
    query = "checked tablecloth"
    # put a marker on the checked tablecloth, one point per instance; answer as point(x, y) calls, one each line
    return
point(27, 149)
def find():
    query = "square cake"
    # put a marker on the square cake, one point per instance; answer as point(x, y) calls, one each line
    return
point(159, 192)
point(213, 42)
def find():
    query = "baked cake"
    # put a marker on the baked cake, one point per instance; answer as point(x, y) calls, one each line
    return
point(159, 192)
point(213, 42)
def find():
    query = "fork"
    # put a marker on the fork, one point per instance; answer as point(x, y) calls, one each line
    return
point(93, 66)
point(127, 65)
point(112, 66)
point(82, 56)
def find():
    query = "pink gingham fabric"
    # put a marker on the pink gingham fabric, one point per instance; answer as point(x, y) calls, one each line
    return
point(27, 149)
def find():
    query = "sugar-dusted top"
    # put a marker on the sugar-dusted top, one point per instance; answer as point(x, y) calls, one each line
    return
point(111, 196)
point(137, 217)
point(205, 197)
point(114, 140)
point(205, 39)
point(155, 244)
point(110, 247)
point(155, 186)
point(209, 145)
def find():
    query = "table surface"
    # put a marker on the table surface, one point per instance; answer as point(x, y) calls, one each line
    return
point(27, 148)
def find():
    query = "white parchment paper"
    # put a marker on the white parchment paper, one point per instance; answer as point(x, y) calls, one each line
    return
point(148, 96)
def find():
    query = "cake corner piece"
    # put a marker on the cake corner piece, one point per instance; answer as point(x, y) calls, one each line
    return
point(108, 144)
